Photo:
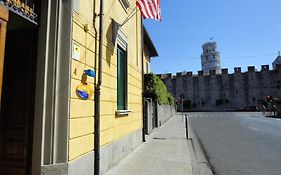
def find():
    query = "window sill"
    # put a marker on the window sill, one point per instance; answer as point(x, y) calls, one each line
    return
point(122, 112)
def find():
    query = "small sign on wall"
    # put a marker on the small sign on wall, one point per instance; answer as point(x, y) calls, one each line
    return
point(76, 51)
point(84, 91)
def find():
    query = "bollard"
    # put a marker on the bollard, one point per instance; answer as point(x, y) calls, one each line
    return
point(186, 126)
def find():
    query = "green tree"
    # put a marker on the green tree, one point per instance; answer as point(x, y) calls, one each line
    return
point(156, 89)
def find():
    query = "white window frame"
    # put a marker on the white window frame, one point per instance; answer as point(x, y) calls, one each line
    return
point(125, 4)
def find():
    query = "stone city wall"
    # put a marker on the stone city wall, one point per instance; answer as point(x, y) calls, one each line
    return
point(224, 91)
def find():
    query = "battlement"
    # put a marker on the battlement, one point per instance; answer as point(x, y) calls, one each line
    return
point(212, 72)
point(225, 90)
point(264, 67)
point(251, 68)
point(189, 73)
point(165, 76)
point(200, 73)
point(224, 71)
point(179, 74)
point(237, 70)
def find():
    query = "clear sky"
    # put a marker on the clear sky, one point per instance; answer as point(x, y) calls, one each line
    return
point(247, 32)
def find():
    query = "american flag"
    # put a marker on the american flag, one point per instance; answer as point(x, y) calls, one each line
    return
point(150, 9)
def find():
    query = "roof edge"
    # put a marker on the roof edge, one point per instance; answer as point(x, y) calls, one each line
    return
point(148, 42)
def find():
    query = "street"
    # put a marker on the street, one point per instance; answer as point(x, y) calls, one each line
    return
point(239, 143)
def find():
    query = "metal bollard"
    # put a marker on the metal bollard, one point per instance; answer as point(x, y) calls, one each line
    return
point(186, 126)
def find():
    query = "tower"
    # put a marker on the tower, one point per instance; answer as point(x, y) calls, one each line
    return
point(210, 58)
point(276, 61)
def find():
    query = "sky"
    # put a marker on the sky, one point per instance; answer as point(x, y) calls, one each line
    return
point(247, 32)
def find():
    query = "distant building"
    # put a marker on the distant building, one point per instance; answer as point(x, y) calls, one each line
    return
point(210, 58)
point(276, 61)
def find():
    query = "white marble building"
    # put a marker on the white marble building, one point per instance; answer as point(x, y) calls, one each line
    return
point(210, 58)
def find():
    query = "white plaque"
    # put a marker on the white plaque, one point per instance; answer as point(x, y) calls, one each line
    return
point(76, 51)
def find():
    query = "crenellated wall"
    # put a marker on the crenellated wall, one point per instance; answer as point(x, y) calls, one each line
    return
point(224, 91)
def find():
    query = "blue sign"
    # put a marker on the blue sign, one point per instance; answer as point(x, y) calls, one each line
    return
point(89, 72)
point(84, 91)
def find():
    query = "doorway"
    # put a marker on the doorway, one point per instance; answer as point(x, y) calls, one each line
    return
point(18, 96)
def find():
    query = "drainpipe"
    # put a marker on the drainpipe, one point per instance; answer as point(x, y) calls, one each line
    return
point(142, 72)
point(97, 96)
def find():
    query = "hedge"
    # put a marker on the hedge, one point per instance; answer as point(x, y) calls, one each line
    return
point(156, 89)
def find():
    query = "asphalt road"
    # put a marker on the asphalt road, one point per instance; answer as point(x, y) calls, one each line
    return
point(239, 143)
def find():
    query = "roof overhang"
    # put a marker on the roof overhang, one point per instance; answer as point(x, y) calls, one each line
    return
point(149, 44)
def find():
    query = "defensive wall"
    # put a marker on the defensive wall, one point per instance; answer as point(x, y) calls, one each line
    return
point(223, 91)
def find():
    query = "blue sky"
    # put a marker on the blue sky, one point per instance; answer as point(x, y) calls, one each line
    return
point(247, 32)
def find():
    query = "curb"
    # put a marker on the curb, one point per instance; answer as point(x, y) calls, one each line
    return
point(199, 160)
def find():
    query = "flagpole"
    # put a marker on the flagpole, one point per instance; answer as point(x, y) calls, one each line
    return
point(130, 15)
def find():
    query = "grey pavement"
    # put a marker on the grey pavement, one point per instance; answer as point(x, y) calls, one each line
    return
point(239, 143)
point(165, 152)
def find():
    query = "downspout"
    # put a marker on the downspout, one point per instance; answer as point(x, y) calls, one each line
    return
point(97, 96)
point(142, 72)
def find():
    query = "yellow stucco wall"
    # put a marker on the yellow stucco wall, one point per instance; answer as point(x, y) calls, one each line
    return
point(81, 130)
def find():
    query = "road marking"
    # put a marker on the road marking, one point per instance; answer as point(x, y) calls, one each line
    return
point(255, 129)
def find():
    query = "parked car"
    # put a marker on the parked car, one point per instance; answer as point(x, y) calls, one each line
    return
point(250, 108)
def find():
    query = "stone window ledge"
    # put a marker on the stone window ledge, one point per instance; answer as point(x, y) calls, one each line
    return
point(122, 112)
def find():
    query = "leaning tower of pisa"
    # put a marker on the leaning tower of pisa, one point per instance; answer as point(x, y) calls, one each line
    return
point(210, 58)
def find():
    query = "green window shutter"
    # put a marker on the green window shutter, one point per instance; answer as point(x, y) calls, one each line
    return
point(121, 79)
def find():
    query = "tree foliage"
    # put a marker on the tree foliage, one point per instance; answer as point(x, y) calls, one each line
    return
point(156, 89)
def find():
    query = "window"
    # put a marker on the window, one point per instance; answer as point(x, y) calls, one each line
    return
point(125, 4)
point(121, 79)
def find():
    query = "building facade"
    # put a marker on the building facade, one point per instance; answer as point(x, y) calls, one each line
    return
point(210, 58)
point(224, 91)
point(47, 110)
point(149, 51)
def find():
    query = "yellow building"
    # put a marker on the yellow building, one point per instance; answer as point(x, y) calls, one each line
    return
point(120, 119)
point(47, 119)
point(149, 51)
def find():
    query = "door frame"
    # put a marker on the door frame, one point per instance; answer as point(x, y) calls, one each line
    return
point(50, 133)
point(51, 110)
point(4, 16)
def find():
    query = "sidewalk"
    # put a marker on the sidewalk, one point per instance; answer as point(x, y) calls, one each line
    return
point(165, 152)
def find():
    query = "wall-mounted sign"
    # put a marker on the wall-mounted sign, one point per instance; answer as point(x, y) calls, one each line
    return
point(76, 51)
point(22, 9)
point(89, 72)
point(84, 91)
